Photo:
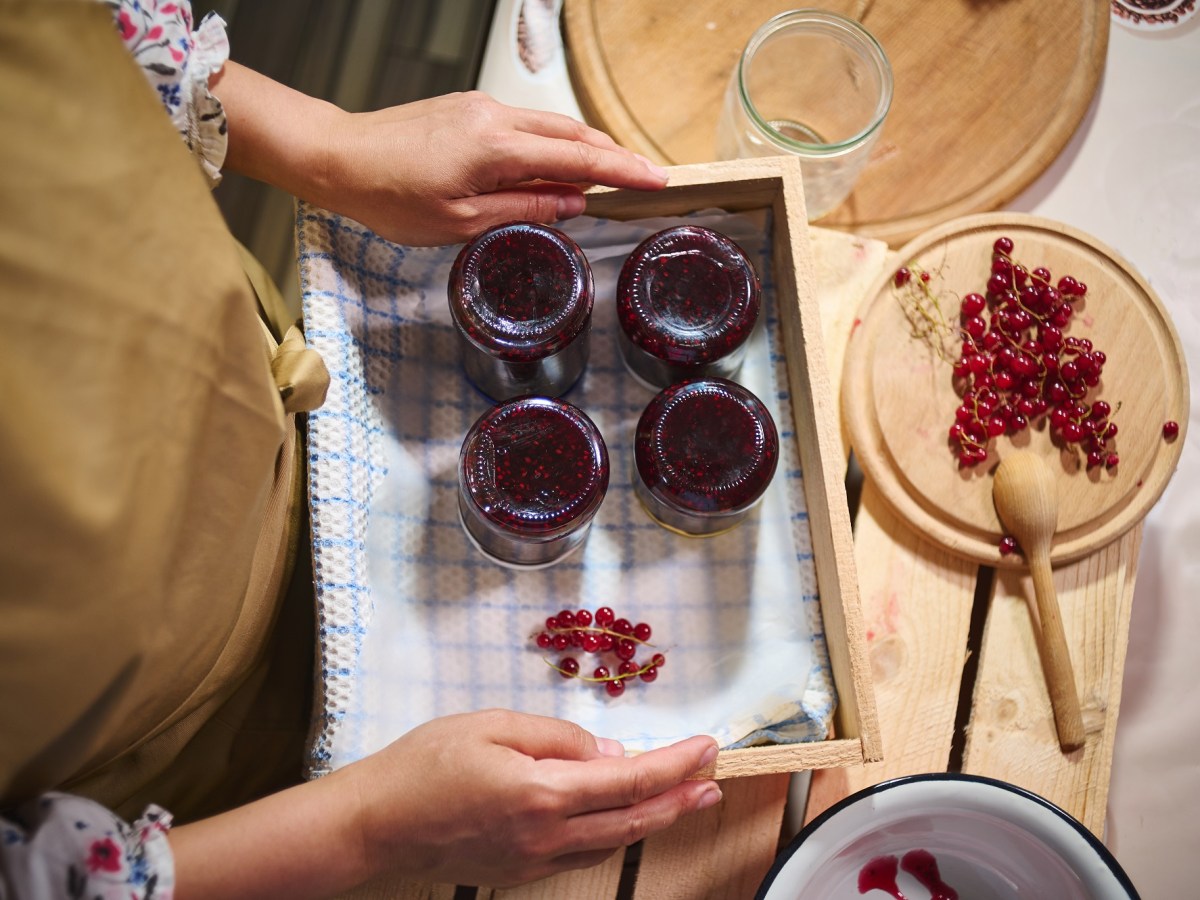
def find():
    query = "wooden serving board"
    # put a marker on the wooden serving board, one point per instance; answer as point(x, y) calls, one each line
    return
point(899, 396)
point(986, 94)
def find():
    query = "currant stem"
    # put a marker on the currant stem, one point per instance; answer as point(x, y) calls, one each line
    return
point(646, 668)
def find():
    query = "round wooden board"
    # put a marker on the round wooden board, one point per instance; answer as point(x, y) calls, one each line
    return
point(899, 397)
point(986, 93)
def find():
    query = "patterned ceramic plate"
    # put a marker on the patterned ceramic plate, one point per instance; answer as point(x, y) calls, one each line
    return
point(1153, 13)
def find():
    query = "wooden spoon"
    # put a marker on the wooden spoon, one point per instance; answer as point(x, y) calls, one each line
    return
point(1026, 500)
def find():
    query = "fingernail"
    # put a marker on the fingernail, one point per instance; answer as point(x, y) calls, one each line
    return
point(709, 757)
point(658, 170)
point(570, 205)
point(710, 797)
point(609, 747)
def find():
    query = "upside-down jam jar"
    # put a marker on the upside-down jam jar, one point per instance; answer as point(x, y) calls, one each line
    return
point(532, 473)
point(687, 301)
point(521, 298)
point(704, 453)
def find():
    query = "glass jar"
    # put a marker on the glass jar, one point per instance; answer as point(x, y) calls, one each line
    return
point(687, 301)
point(814, 85)
point(521, 298)
point(532, 473)
point(704, 453)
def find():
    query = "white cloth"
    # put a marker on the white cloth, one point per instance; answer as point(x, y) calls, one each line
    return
point(416, 623)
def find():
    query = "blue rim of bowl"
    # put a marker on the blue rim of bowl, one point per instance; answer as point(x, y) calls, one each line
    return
point(807, 831)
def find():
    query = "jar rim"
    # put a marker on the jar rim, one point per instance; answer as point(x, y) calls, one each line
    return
point(834, 23)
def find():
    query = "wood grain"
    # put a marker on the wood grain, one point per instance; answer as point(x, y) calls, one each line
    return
point(597, 883)
point(899, 397)
point(917, 601)
point(1020, 74)
point(392, 887)
point(722, 853)
point(1011, 735)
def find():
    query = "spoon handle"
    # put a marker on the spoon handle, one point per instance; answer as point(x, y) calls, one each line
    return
point(1056, 658)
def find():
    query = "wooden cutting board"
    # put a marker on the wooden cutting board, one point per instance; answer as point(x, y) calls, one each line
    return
point(899, 397)
point(987, 92)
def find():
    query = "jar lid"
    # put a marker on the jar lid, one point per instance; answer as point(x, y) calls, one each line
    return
point(521, 291)
point(688, 295)
point(535, 467)
point(706, 446)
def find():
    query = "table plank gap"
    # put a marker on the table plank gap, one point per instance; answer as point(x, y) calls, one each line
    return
point(1011, 735)
point(393, 887)
point(597, 883)
point(740, 836)
point(917, 602)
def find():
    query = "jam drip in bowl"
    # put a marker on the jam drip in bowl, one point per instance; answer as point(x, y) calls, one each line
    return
point(532, 474)
point(687, 301)
point(521, 298)
point(705, 451)
point(880, 875)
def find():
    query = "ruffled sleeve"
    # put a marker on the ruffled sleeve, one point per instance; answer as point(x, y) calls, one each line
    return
point(62, 846)
point(178, 61)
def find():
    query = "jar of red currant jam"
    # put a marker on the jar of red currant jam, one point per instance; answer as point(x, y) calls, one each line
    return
point(521, 297)
point(704, 452)
point(687, 301)
point(531, 475)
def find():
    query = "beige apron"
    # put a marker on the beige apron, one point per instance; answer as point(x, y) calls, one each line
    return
point(154, 645)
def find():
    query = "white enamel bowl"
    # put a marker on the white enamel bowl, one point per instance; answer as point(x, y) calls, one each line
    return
point(988, 840)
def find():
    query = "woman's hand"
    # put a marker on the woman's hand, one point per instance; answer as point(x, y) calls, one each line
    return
point(500, 798)
point(432, 172)
point(494, 797)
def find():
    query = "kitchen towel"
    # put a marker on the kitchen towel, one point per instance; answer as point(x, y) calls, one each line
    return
point(414, 623)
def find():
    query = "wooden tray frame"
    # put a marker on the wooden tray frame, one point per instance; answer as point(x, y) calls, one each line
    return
point(774, 183)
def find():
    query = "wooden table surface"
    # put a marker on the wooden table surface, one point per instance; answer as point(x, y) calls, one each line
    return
point(958, 684)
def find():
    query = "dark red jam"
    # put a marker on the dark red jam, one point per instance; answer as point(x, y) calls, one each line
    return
point(705, 451)
point(687, 301)
point(880, 874)
point(521, 297)
point(532, 474)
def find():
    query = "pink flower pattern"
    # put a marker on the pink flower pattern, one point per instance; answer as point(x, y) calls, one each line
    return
point(178, 60)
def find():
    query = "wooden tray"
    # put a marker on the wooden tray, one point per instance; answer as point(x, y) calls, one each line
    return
point(775, 184)
point(986, 94)
point(899, 397)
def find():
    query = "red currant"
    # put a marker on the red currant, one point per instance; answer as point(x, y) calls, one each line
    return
point(1170, 430)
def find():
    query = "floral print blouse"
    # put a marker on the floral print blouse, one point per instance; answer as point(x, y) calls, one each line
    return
point(64, 846)
point(59, 845)
point(178, 60)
